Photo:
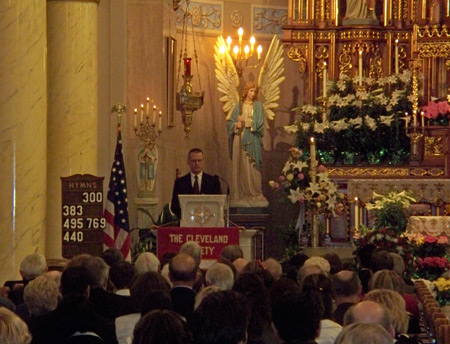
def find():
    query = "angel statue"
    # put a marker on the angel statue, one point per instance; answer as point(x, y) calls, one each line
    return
point(247, 118)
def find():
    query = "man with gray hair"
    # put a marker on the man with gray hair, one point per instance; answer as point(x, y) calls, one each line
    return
point(220, 275)
point(192, 249)
point(31, 267)
point(146, 261)
point(274, 267)
point(370, 312)
point(106, 304)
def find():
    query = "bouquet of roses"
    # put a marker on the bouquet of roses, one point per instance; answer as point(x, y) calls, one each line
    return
point(431, 267)
point(429, 245)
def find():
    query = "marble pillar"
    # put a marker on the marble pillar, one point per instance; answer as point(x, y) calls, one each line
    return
point(72, 103)
point(23, 143)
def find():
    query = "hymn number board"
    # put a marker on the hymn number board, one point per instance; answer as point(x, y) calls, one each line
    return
point(82, 215)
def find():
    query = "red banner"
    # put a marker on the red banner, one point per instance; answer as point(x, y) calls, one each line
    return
point(211, 239)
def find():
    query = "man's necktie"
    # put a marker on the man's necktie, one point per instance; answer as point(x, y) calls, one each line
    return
point(196, 188)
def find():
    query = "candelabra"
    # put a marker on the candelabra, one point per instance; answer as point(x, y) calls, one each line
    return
point(415, 134)
point(241, 55)
point(147, 131)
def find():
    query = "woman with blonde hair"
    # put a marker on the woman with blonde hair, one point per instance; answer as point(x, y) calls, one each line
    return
point(13, 330)
point(394, 302)
point(388, 279)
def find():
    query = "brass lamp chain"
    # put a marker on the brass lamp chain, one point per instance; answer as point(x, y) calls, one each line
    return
point(183, 50)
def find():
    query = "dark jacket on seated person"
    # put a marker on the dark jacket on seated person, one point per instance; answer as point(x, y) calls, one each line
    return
point(110, 305)
point(74, 314)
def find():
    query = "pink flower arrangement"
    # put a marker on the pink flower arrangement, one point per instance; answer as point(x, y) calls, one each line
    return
point(434, 109)
point(430, 239)
point(433, 262)
point(443, 240)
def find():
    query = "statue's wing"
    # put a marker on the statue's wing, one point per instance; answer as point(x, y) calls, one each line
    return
point(270, 78)
point(227, 77)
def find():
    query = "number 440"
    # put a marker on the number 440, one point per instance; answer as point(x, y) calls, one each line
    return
point(75, 236)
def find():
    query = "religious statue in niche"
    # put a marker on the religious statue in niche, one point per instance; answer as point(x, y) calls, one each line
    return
point(246, 119)
point(360, 12)
point(148, 161)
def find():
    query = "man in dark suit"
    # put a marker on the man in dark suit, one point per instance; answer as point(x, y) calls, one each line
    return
point(182, 274)
point(195, 182)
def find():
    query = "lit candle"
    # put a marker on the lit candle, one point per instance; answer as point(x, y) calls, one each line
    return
point(154, 114)
point(147, 109)
point(415, 118)
point(259, 50)
point(396, 56)
point(246, 51)
point(325, 77)
point(422, 115)
point(360, 67)
point(313, 153)
point(240, 33)
point(187, 66)
point(142, 113)
point(406, 120)
point(252, 43)
point(229, 43)
point(135, 118)
point(356, 214)
point(160, 120)
point(235, 51)
point(221, 51)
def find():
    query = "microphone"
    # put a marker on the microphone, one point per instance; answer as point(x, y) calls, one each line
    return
point(226, 183)
point(228, 199)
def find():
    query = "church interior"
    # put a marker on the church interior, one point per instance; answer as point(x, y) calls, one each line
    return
point(73, 72)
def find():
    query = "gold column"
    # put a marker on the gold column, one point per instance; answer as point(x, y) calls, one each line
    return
point(72, 108)
point(23, 143)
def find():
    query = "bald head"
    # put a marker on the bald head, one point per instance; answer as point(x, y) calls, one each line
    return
point(369, 312)
point(347, 286)
point(239, 264)
point(182, 270)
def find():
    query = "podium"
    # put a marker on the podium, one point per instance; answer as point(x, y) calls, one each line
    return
point(202, 210)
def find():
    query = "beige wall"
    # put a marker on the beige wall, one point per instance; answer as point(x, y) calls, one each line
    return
point(133, 66)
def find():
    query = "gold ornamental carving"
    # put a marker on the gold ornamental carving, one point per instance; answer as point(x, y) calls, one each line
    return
point(299, 35)
point(422, 172)
point(362, 34)
point(438, 49)
point(402, 57)
point(299, 54)
point(434, 147)
point(376, 65)
point(433, 31)
point(367, 172)
point(345, 60)
point(447, 65)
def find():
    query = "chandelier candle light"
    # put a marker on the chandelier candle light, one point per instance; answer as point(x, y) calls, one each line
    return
point(242, 55)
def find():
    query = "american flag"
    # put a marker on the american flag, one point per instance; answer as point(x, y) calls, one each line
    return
point(117, 231)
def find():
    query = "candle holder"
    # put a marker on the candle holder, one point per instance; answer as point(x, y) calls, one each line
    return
point(415, 134)
point(324, 104)
point(148, 132)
